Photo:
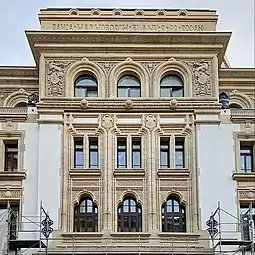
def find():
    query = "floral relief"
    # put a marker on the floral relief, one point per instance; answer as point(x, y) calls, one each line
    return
point(202, 78)
point(55, 78)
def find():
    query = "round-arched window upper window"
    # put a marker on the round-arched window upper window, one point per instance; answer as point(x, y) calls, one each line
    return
point(171, 86)
point(129, 86)
point(86, 86)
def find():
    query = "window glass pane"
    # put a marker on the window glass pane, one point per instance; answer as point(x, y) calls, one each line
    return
point(133, 224)
point(93, 159)
point(121, 159)
point(129, 81)
point(248, 162)
point(136, 159)
point(134, 92)
point(242, 159)
point(164, 159)
point(246, 149)
point(179, 159)
point(171, 80)
point(78, 159)
point(80, 92)
point(177, 92)
point(86, 81)
point(91, 93)
point(122, 92)
point(165, 92)
point(125, 223)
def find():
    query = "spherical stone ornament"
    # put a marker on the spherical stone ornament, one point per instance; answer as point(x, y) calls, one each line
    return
point(129, 104)
point(84, 103)
point(8, 193)
point(173, 104)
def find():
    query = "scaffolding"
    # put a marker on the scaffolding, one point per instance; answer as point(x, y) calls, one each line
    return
point(17, 240)
point(232, 237)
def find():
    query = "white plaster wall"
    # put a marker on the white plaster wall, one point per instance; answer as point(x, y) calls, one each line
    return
point(216, 163)
point(49, 170)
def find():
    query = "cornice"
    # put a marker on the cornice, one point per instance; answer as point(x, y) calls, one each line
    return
point(249, 177)
point(120, 105)
point(5, 175)
point(239, 73)
point(19, 71)
point(68, 40)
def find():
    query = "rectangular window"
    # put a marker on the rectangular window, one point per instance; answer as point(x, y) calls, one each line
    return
point(78, 152)
point(247, 220)
point(122, 152)
point(93, 152)
point(246, 157)
point(179, 153)
point(136, 152)
point(164, 153)
point(11, 155)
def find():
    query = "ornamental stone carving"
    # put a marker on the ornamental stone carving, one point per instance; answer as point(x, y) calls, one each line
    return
point(150, 65)
point(173, 104)
point(107, 121)
point(128, 104)
point(107, 65)
point(202, 78)
point(151, 121)
point(55, 78)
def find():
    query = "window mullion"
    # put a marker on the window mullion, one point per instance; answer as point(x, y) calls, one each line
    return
point(129, 155)
point(172, 151)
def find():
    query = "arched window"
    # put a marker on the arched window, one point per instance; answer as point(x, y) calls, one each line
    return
point(86, 216)
point(129, 86)
point(173, 216)
point(235, 106)
point(86, 86)
point(129, 216)
point(21, 104)
point(171, 86)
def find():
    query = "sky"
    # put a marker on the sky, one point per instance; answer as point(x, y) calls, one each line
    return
point(16, 16)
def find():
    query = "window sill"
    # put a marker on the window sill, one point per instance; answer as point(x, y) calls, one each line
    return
point(188, 235)
point(85, 171)
point(244, 176)
point(130, 234)
point(125, 171)
point(5, 175)
point(82, 234)
point(182, 172)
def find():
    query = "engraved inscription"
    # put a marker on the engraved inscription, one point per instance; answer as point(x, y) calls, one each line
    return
point(127, 26)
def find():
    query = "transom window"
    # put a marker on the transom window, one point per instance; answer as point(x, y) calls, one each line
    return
point(129, 86)
point(129, 216)
point(86, 86)
point(173, 216)
point(86, 216)
point(171, 86)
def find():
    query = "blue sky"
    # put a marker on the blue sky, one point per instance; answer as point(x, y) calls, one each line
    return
point(18, 15)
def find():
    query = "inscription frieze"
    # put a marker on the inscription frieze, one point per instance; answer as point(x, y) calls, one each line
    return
point(130, 26)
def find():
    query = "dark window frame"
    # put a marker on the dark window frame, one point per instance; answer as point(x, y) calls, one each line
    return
point(245, 220)
point(246, 147)
point(14, 219)
point(177, 211)
point(136, 148)
point(78, 141)
point(121, 148)
point(130, 87)
point(180, 147)
point(172, 88)
point(165, 141)
point(86, 88)
point(93, 147)
point(84, 213)
point(11, 155)
point(129, 212)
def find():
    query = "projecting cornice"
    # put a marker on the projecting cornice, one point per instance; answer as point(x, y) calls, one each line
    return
point(84, 42)
point(240, 79)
